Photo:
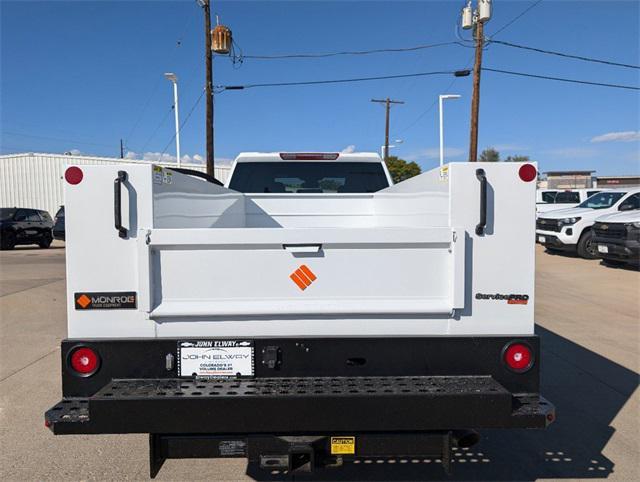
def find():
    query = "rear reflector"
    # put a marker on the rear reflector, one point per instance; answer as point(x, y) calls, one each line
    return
point(309, 156)
point(527, 172)
point(518, 357)
point(73, 175)
point(84, 361)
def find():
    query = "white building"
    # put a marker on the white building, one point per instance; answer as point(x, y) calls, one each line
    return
point(34, 180)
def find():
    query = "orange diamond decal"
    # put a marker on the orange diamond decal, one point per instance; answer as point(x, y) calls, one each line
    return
point(83, 301)
point(303, 277)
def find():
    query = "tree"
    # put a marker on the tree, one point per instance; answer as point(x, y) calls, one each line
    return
point(490, 155)
point(517, 158)
point(401, 169)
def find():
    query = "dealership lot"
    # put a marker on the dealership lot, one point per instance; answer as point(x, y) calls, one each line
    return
point(588, 317)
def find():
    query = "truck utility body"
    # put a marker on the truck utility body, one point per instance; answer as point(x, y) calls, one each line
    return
point(300, 329)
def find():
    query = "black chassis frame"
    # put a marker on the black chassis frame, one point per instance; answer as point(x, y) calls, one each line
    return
point(399, 392)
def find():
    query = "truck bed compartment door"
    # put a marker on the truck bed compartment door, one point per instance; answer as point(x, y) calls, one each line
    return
point(257, 272)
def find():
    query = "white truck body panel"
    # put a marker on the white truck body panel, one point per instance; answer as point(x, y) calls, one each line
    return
point(206, 261)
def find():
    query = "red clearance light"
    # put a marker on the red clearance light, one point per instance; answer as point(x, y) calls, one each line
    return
point(527, 172)
point(84, 361)
point(309, 156)
point(73, 175)
point(518, 357)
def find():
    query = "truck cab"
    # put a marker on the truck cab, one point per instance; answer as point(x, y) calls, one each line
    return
point(552, 200)
point(308, 173)
point(570, 229)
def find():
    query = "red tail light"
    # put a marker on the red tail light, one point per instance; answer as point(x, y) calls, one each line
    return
point(309, 156)
point(518, 357)
point(73, 175)
point(527, 172)
point(84, 361)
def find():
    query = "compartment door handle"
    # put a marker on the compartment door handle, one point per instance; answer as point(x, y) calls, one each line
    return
point(117, 203)
point(302, 248)
point(481, 226)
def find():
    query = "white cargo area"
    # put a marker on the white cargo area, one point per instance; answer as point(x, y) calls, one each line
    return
point(206, 261)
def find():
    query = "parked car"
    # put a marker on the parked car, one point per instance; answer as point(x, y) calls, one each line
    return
point(561, 199)
point(617, 237)
point(570, 229)
point(58, 224)
point(25, 226)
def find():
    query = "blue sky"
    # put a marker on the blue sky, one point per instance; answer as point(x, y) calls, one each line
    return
point(82, 75)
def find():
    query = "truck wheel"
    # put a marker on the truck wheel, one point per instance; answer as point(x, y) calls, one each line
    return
point(8, 240)
point(46, 241)
point(586, 248)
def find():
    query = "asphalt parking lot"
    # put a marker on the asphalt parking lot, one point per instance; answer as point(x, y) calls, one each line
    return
point(588, 318)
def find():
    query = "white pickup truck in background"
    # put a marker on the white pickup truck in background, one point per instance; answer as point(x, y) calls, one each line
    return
point(570, 229)
point(552, 200)
point(307, 315)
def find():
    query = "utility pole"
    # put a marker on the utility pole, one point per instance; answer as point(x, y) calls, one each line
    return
point(387, 103)
point(121, 149)
point(475, 19)
point(206, 8)
point(475, 99)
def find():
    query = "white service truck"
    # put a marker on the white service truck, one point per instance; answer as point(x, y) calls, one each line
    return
point(309, 315)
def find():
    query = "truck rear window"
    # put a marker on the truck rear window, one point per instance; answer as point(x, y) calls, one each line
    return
point(308, 177)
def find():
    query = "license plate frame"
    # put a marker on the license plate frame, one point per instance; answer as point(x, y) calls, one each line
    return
point(215, 358)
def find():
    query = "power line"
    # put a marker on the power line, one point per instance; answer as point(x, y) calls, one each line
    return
point(560, 54)
point(560, 79)
point(508, 24)
point(458, 73)
point(159, 80)
point(433, 104)
point(346, 52)
point(184, 122)
point(155, 131)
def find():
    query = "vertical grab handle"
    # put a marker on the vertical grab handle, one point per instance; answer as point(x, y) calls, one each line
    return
point(482, 177)
point(117, 203)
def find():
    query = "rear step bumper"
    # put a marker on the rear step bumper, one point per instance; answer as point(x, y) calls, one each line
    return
point(299, 405)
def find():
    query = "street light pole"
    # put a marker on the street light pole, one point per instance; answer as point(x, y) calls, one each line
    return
point(382, 148)
point(440, 99)
point(174, 80)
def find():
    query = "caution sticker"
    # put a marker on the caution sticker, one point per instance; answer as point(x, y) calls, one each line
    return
point(343, 445)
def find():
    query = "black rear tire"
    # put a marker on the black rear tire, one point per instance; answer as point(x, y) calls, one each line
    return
point(7, 240)
point(586, 248)
point(46, 241)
